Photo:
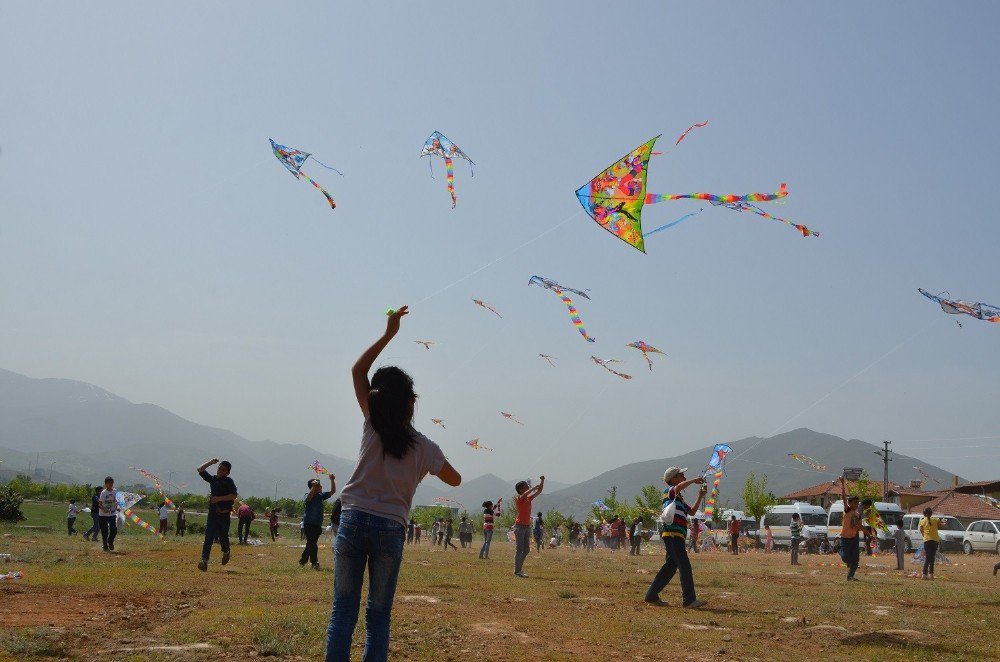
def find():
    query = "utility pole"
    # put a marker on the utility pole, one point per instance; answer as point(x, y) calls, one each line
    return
point(884, 454)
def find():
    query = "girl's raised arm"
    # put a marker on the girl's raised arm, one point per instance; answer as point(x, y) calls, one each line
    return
point(363, 365)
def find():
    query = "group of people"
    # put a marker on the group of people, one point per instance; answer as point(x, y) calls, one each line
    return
point(105, 510)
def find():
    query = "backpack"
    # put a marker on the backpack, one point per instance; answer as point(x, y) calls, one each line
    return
point(669, 510)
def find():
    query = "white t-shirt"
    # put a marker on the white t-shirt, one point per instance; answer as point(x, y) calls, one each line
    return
point(72, 510)
point(164, 512)
point(108, 503)
point(384, 486)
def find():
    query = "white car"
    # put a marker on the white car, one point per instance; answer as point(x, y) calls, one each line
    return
point(950, 531)
point(982, 536)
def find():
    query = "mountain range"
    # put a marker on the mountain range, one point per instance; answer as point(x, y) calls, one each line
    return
point(78, 432)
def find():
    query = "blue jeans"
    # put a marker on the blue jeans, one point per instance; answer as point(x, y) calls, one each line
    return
point(92, 531)
point(677, 560)
point(522, 542)
point(484, 553)
point(216, 525)
point(376, 542)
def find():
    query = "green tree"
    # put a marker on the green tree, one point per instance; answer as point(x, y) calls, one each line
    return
point(864, 488)
point(553, 520)
point(649, 503)
point(757, 500)
point(10, 505)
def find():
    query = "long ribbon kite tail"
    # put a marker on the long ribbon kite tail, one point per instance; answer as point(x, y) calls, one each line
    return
point(670, 225)
point(142, 524)
point(574, 315)
point(742, 206)
point(653, 198)
point(714, 496)
point(329, 198)
point(449, 168)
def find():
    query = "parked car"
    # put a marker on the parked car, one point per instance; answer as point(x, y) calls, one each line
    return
point(890, 513)
point(950, 531)
point(982, 536)
point(779, 518)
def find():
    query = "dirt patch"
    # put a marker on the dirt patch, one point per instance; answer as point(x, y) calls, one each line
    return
point(418, 598)
point(32, 606)
point(499, 630)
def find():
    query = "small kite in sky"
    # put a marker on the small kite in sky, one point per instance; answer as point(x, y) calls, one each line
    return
point(487, 306)
point(549, 359)
point(443, 500)
point(318, 468)
point(616, 196)
point(510, 417)
point(926, 475)
point(981, 311)
point(646, 349)
point(605, 363)
point(426, 343)
point(293, 160)
point(475, 445)
point(560, 291)
point(439, 145)
point(805, 459)
point(439, 421)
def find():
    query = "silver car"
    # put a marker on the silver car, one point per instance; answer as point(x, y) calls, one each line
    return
point(982, 536)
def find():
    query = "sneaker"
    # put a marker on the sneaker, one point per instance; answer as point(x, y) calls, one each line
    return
point(225, 558)
point(695, 604)
point(315, 566)
point(520, 574)
point(302, 564)
point(203, 565)
point(995, 568)
point(105, 548)
point(655, 602)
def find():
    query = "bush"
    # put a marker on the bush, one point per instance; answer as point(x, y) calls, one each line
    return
point(195, 527)
point(10, 505)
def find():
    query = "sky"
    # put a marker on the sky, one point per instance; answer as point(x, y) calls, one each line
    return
point(151, 244)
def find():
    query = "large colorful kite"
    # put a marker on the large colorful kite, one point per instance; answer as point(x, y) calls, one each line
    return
point(605, 363)
point(805, 459)
point(646, 350)
point(717, 469)
point(318, 468)
point(439, 145)
point(560, 291)
point(981, 311)
point(616, 196)
point(476, 446)
point(293, 160)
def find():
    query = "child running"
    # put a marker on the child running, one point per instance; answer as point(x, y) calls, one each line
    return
point(393, 459)
point(220, 507)
point(673, 540)
point(522, 523)
point(108, 506)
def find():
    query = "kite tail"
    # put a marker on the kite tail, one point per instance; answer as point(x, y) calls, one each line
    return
point(653, 198)
point(670, 225)
point(648, 360)
point(140, 523)
point(714, 496)
point(449, 168)
point(329, 198)
point(803, 230)
point(574, 315)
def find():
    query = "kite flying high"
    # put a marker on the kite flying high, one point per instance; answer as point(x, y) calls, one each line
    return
point(646, 350)
point(616, 196)
point(606, 364)
point(981, 311)
point(293, 160)
point(560, 291)
point(439, 145)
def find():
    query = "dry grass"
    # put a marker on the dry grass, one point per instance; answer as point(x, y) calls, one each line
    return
point(148, 601)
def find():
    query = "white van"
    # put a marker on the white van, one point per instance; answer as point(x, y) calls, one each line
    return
point(891, 514)
point(950, 531)
point(779, 518)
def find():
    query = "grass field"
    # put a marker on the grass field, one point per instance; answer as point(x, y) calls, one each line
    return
point(148, 601)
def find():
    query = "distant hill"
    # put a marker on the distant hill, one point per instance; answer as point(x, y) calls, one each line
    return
point(765, 457)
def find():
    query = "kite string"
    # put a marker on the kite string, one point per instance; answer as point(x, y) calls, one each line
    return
point(833, 390)
point(495, 261)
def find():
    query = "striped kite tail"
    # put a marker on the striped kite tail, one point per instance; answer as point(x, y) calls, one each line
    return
point(449, 168)
point(329, 198)
point(574, 315)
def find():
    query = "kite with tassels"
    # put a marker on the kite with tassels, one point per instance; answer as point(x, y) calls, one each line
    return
point(439, 145)
point(157, 484)
point(981, 311)
point(616, 196)
point(874, 520)
point(717, 469)
point(805, 459)
point(318, 468)
point(510, 417)
point(646, 350)
point(476, 446)
point(560, 291)
point(293, 159)
point(605, 363)
point(486, 306)
point(549, 359)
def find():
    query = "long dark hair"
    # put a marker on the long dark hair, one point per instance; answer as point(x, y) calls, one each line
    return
point(390, 408)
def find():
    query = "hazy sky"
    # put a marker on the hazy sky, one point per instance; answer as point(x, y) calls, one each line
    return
point(151, 244)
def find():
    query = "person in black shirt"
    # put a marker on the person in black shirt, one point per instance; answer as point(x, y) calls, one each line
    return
point(220, 506)
point(94, 507)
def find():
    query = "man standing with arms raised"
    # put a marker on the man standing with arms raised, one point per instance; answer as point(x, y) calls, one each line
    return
point(220, 507)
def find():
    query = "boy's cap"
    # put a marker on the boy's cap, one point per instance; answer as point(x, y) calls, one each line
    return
point(671, 472)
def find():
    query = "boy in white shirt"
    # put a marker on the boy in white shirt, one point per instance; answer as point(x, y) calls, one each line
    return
point(108, 505)
point(71, 514)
